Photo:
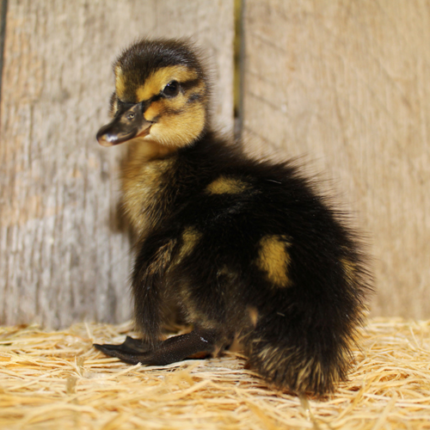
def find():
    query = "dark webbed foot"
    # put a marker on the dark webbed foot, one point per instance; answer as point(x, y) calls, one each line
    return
point(136, 344)
point(129, 346)
point(174, 349)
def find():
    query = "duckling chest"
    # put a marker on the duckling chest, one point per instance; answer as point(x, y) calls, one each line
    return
point(145, 193)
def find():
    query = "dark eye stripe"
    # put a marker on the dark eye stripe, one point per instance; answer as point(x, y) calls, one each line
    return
point(194, 98)
point(186, 85)
point(190, 83)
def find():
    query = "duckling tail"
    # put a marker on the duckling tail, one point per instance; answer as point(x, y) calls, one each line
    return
point(299, 358)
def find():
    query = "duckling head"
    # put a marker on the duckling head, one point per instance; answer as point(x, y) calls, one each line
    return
point(161, 96)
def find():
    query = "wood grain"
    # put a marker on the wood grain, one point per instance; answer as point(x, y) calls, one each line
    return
point(347, 83)
point(62, 257)
point(3, 10)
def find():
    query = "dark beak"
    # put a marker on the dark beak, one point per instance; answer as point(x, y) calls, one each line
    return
point(125, 126)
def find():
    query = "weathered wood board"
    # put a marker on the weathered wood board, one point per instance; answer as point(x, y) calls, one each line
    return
point(347, 83)
point(344, 83)
point(3, 9)
point(62, 258)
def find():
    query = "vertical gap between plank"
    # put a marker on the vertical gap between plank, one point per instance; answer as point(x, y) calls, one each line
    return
point(3, 10)
point(239, 6)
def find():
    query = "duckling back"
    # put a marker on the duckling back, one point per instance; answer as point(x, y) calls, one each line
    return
point(256, 254)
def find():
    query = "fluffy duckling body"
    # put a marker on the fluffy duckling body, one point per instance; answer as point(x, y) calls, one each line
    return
point(244, 249)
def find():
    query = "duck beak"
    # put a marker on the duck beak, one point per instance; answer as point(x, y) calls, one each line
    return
point(125, 126)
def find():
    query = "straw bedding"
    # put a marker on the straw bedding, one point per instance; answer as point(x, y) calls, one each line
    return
point(57, 380)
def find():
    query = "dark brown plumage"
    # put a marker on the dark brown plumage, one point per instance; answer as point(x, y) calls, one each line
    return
point(244, 249)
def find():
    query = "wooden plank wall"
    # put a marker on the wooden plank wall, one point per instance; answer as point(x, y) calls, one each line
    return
point(3, 8)
point(347, 83)
point(344, 83)
point(62, 256)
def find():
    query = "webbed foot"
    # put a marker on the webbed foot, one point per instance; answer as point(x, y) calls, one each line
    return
point(177, 348)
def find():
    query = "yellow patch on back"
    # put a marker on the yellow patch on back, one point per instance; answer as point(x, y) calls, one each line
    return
point(190, 238)
point(225, 185)
point(253, 315)
point(274, 259)
point(161, 77)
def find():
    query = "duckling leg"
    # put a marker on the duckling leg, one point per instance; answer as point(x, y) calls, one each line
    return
point(174, 349)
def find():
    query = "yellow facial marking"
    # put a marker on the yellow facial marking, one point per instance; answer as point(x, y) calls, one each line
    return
point(119, 82)
point(274, 259)
point(190, 238)
point(224, 185)
point(114, 107)
point(154, 110)
point(161, 77)
point(179, 129)
point(177, 120)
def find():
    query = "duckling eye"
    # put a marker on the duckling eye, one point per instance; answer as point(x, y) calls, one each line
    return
point(171, 89)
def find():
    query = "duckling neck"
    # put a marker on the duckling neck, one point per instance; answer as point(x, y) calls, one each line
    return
point(143, 151)
point(142, 175)
point(152, 176)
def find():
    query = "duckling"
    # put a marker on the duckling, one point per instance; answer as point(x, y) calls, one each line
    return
point(245, 249)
